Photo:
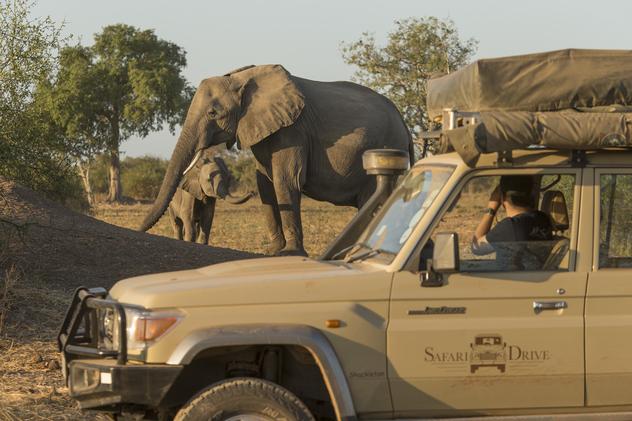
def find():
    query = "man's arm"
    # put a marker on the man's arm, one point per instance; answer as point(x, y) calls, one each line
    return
point(480, 245)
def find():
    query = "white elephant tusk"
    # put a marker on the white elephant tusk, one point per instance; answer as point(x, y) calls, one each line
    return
point(195, 159)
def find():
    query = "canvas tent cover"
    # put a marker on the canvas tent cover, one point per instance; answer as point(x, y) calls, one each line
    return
point(567, 99)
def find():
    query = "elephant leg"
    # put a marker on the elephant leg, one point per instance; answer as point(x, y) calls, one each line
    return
point(176, 224)
point(188, 217)
point(271, 214)
point(290, 210)
point(289, 175)
point(206, 222)
point(189, 231)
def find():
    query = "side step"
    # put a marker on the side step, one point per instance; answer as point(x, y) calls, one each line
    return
point(600, 416)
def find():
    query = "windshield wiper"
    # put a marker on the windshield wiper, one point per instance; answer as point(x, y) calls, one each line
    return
point(346, 249)
point(363, 256)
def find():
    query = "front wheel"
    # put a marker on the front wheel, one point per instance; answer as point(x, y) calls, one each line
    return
point(244, 399)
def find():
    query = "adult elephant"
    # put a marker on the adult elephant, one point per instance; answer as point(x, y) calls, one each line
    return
point(306, 136)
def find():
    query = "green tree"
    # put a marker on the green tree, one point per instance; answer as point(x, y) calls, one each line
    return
point(32, 151)
point(72, 100)
point(416, 50)
point(128, 83)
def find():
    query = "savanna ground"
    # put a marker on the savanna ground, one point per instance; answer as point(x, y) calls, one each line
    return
point(241, 227)
point(44, 262)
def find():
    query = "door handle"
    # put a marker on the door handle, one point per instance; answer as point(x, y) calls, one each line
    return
point(538, 306)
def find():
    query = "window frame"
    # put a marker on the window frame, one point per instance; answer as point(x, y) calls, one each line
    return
point(499, 171)
point(597, 212)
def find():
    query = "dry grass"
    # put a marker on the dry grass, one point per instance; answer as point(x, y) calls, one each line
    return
point(31, 385)
point(241, 227)
point(6, 289)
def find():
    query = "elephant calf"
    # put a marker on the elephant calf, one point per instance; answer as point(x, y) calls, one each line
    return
point(193, 206)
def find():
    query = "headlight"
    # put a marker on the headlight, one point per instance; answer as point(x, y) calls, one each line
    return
point(144, 327)
point(109, 328)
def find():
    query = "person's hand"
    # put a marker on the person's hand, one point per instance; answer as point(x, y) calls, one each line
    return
point(494, 199)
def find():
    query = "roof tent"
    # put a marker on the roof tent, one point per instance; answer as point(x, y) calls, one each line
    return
point(567, 99)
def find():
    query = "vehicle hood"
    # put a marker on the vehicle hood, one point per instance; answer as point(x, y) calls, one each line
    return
point(253, 281)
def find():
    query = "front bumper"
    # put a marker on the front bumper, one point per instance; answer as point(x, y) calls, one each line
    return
point(104, 384)
point(105, 379)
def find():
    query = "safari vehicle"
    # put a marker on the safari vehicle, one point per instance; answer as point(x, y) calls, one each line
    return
point(488, 351)
point(380, 325)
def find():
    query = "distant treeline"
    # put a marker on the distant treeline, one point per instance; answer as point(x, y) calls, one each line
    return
point(141, 177)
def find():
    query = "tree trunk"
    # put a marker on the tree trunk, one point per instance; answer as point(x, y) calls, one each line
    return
point(114, 190)
point(84, 173)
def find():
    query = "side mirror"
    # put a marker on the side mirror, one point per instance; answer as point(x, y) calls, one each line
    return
point(445, 259)
point(445, 256)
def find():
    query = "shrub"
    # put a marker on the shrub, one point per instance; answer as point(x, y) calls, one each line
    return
point(141, 177)
point(33, 152)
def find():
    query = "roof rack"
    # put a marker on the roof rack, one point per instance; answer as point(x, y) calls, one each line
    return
point(453, 119)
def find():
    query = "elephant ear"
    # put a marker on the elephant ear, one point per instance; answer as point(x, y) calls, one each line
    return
point(270, 100)
point(191, 184)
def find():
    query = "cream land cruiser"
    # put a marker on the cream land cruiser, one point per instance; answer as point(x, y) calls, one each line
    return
point(400, 318)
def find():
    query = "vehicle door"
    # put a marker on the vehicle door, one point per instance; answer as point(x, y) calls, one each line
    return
point(609, 296)
point(497, 334)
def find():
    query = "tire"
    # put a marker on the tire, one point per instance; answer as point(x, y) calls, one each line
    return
point(244, 399)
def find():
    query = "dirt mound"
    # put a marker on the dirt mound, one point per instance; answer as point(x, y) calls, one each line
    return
point(68, 249)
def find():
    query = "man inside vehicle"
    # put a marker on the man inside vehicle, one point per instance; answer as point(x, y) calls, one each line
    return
point(524, 223)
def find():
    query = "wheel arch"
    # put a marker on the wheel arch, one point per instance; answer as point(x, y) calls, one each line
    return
point(304, 336)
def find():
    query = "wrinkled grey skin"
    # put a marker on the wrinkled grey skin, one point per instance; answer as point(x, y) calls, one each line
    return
point(193, 206)
point(306, 136)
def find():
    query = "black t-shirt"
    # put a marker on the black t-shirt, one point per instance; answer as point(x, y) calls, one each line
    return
point(522, 242)
point(528, 226)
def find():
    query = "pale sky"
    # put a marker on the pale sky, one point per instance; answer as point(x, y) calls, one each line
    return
point(305, 35)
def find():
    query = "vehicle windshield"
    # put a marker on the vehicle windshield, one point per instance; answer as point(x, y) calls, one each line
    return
point(397, 219)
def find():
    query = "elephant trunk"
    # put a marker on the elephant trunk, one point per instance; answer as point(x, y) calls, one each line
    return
point(238, 200)
point(180, 159)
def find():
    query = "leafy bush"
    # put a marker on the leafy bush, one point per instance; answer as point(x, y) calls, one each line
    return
point(141, 177)
point(33, 151)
